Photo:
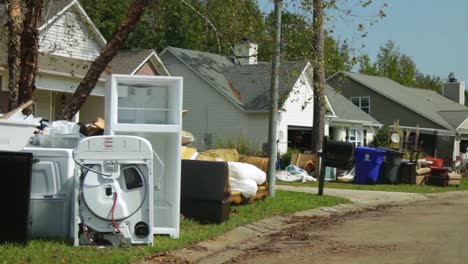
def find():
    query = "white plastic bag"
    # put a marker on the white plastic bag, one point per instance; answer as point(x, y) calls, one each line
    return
point(245, 171)
point(62, 127)
point(289, 177)
point(247, 188)
point(295, 169)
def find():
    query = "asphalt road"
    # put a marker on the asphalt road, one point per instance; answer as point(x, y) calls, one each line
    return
point(434, 231)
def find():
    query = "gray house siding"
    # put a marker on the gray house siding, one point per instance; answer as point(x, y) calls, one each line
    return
point(211, 116)
point(258, 130)
point(382, 108)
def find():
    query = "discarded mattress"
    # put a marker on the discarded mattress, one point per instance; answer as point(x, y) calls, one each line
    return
point(244, 178)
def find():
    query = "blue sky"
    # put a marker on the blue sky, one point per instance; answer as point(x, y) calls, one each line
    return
point(433, 33)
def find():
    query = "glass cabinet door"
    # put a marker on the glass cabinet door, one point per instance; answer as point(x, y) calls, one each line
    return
point(140, 104)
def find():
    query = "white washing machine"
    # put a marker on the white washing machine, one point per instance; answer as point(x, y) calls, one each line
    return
point(51, 192)
point(113, 198)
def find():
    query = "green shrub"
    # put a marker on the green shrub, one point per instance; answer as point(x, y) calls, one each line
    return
point(381, 138)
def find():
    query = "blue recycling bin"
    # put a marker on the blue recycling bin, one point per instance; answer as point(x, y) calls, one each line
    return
point(368, 162)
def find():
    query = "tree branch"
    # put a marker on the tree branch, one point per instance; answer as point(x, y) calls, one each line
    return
point(116, 42)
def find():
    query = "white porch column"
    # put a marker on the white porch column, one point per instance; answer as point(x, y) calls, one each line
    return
point(327, 128)
point(456, 147)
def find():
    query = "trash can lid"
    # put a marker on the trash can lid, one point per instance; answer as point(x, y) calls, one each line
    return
point(367, 149)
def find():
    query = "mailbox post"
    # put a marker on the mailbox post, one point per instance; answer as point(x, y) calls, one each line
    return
point(335, 154)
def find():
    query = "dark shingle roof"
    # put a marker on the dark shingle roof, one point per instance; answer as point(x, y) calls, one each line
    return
point(425, 102)
point(125, 62)
point(209, 66)
point(254, 82)
point(345, 110)
point(245, 85)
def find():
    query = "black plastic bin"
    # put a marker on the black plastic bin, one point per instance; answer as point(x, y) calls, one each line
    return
point(390, 166)
point(407, 173)
point(15, 173)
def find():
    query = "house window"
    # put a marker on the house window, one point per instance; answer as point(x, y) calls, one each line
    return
point(362, 102)
point(356, 137)
point(1, 83)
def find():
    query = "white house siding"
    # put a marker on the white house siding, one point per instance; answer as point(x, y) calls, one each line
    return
point(92, 108)
point(282, 129)
point(211, 117)
point(68, 36)
point(292, 113)
point(43, 104)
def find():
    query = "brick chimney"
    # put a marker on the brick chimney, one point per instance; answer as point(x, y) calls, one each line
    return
point(246, 52)
point(454, 91)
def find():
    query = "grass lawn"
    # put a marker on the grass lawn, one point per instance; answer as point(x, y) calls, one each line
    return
point(41, 251)
point(383, 187)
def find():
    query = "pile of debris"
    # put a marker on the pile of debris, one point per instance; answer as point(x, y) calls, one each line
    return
point(247, 174)
point(301, 168)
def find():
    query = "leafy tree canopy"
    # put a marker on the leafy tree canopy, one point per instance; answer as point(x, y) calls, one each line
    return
point(393, 64)
point(176, 23)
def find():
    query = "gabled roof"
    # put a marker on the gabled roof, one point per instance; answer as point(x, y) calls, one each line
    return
point(254, 82)
point(346, 111)
point(208, 66)
point(426, 103)
point(128, 62)
point(53, 9)
point(246, 86)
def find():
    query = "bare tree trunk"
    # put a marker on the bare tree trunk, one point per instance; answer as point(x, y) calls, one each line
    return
point(273, 124)
point(117, 40)
point(318, 63)
point(15, 19)
point(319, 76)
point(29, 51)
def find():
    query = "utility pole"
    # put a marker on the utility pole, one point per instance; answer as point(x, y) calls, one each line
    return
point(318, 63)
point(272, 131)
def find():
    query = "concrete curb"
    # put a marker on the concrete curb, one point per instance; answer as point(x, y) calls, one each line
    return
point(233, 243)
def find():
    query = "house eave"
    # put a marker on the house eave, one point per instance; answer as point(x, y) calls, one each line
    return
point(363, 122)
point(434, 131)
